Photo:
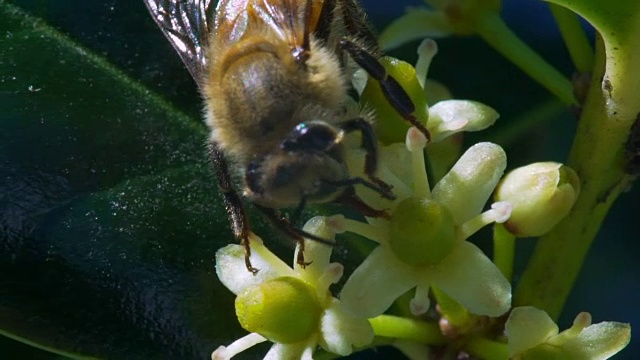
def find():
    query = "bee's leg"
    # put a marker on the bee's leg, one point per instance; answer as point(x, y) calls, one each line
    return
point(350, 199)
point(357, 26)
point(297, 214)
point(233, 203)
point(370, 145)
point(392, 90)
point(297, 234)
point(384, 191)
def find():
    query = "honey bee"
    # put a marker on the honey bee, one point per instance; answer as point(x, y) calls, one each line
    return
point(274, 75)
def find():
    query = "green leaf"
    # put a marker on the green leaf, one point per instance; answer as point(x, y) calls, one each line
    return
point(109, 216)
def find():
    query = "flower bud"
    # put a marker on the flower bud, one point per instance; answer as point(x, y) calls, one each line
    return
point(541, 195)
point(390, 126)
point(284, 310)
point(422, 232)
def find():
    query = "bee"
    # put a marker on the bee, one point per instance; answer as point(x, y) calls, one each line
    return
point(274, 76)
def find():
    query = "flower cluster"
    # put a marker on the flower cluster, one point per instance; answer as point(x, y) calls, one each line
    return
point(290, 306)
point(422, 249)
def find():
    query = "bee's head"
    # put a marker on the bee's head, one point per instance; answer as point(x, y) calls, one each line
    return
point(313, 136)
point(308, 166)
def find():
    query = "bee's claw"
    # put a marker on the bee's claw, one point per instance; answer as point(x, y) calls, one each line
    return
point(300, 258)
point(385, 189)
point(247, 256)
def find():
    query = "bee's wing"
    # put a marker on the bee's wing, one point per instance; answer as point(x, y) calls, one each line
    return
point(290, 20)
point(186, 23)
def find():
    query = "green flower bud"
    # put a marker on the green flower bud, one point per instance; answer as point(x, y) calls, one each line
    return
point(422, 232)
point(390, 127)
point(284, 310)
point(541, 195)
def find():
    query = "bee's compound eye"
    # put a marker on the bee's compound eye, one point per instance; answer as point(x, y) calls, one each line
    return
point(311, 136)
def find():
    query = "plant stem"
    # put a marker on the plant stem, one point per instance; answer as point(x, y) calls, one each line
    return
point(504, 247)
point(409, 329)
point(574, 38)
point(495, 32)
point(487, 349)
point(597, 155)
point(456, 314)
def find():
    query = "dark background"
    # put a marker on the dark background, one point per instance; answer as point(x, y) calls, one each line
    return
point(122, 32)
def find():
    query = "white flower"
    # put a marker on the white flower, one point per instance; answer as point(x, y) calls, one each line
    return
point(292, 307)
point(533, 335)
point(423, 245)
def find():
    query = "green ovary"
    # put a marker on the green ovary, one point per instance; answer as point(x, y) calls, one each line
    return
point(422, 232)
point(284, 310)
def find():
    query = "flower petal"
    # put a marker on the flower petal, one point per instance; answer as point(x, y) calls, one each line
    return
point(341, 331)
point(376, 284)
point(469, 277)
point(396, 158)
point(392, 169)
point(416, 24)
point(301, 350)
point(315, 253)
point(467, 186)
point(599, 341)
point(527, 327)
point(472, 115)
point(238, 346)
point(232, 270)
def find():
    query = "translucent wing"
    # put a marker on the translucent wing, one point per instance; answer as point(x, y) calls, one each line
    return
point(290, 20)
point(186, 23)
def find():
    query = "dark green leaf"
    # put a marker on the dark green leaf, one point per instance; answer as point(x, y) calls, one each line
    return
point(109, 216)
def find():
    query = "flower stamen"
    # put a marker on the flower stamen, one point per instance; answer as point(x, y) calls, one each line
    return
point(420, 302)
point(426, 51)
point(238, 346)
point(499, 213)
point(416, 142)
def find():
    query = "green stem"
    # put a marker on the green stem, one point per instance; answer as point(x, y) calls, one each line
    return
point(574, 38)
point(494, 31)
point(504, 247)
point(598, 156)
point(487, 349)
point(408, 329)
point(456, 314)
